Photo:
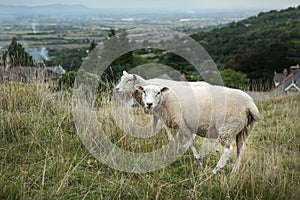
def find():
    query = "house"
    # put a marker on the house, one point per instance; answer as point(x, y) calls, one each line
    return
point(292, 88)
point(278, 77)
point(287, 84)
point(53, 73)
point(31, 74)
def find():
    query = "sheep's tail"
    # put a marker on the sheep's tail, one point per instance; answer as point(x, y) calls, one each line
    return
point(253, 111)
point(252, 116)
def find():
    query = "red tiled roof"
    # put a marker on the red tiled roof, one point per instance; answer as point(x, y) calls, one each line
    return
point(289, 76)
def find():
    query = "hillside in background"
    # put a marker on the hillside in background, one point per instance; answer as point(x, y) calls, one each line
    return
point(255, 47)
point(258, 45)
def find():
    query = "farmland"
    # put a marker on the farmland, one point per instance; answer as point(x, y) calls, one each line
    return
point(51, 28)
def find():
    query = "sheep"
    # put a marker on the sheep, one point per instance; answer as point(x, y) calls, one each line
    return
point(127, 83)
point(126, 86)
point(224, 113)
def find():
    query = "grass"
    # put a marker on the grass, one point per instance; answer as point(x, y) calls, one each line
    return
point(42, 157)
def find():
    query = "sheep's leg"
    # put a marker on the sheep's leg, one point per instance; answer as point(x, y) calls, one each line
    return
point(223, 160)
point(170, 136)
point(241, 145)
point(180, 139)
point(184, 133)
point(237, 163)
point(216, 145)
point(154, 121)
point(154, 124)
point(198, 159)
point(195, 137)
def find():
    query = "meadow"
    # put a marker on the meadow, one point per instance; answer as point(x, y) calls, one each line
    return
point(42, 156)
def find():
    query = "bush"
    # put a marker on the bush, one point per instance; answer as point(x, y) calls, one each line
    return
point(235, 79)
point(66, 81)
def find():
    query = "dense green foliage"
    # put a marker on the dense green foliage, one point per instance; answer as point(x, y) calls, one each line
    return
point(70, 59)
point(235, 79)
point(66, 81)
point(258, 45)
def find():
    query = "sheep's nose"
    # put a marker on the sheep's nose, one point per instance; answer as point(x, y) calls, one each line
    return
point(149, 105)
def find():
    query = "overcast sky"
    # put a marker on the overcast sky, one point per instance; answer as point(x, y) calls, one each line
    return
point(191, 4)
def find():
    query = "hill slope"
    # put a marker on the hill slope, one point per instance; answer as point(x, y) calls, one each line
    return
point(42, 157)
point(257, 45)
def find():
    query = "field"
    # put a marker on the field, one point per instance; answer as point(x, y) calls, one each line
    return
point(42, 157)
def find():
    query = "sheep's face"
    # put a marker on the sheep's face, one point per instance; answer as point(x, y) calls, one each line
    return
point(152, 95)
point(125, 88)
point(126, 84)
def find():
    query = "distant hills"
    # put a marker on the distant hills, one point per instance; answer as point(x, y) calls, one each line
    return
point(48, 10)
point(80, 10)
point(258, 45)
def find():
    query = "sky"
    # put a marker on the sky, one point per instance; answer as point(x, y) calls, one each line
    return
point(177, 4)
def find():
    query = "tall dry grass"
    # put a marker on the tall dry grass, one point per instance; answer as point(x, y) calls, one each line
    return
point(42, 157)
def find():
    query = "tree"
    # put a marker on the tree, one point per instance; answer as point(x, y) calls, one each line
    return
point(17, 56)
point(235, 79)
point(66, 81)
point(256, 46)
point(117, 45)
point(93, 45)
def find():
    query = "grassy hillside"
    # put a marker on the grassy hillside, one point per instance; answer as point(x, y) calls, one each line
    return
point(257, 45)
point(42, 157)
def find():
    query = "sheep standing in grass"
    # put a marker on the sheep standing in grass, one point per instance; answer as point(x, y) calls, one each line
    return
point(126, 86)
point(232, 118)
point(128, 81)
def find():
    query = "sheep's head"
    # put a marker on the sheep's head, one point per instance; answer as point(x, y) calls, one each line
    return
point(125, 88)
point(152, 95)
point(126, 84)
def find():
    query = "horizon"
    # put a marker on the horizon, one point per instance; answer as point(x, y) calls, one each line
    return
point(174, 5)
point(234, 11)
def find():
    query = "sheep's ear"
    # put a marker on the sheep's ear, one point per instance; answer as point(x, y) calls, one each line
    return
point(134, 77)
point(164, 89)
point(139, 88)
point(124, 72)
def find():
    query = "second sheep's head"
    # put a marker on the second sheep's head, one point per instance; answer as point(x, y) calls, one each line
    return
point(152, 95)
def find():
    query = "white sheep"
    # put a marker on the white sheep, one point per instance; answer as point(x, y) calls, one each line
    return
point(127, 83)
point(224, 113)
point(126, 86)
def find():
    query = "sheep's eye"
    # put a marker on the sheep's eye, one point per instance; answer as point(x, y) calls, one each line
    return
point(128, 80)
point(158, 94)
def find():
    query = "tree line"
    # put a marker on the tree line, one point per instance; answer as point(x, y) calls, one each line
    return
point(257, 46)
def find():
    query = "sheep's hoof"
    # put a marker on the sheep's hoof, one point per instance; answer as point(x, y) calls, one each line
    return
point(198, 161)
